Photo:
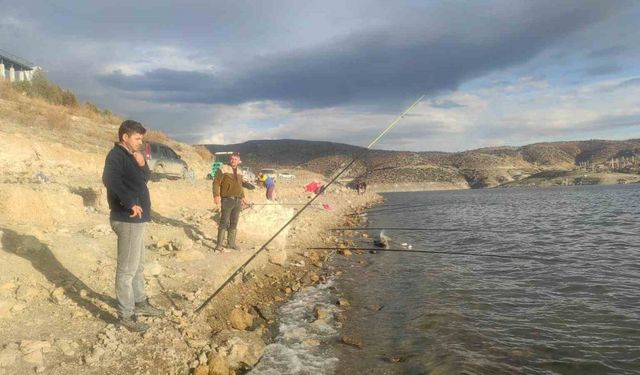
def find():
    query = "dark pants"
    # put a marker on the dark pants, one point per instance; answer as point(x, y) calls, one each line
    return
point(270, 190)
point(230, 214)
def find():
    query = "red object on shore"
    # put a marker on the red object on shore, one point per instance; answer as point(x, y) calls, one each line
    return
point(312, 187)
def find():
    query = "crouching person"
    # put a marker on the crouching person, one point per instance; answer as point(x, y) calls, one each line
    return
point(125, 176)
point(229, 194)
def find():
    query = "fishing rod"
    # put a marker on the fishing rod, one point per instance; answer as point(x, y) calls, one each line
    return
point(402, 208)
point(376, 249)
point(423, 229)
point(283, 204)
point(264, 246)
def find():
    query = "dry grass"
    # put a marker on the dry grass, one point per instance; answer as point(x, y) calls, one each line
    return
point(156, 136)
point(57, 120)
point(204, 153)
point(7, 92)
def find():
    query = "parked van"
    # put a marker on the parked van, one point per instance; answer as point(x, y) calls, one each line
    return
point(164, 162)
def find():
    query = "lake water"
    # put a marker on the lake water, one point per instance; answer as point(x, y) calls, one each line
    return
point(574, 308)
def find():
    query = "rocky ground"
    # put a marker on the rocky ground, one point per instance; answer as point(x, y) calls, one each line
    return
point(57, 259)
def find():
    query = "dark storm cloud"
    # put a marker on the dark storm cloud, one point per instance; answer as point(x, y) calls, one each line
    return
point(386, 63)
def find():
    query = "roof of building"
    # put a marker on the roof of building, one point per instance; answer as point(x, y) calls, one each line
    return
point(17, 62)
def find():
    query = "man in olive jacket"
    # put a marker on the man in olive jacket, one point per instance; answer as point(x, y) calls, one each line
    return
point(229, 194)
point(125, 176)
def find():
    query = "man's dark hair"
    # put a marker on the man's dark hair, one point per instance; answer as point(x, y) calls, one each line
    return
point(130, 127)
point(236, 154)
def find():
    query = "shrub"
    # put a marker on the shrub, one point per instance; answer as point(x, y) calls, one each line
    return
point(40, 87)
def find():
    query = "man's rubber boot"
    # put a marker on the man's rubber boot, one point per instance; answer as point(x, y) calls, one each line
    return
point(221, 233)
point(144, 308)
point(231, 240)
point(132, 325)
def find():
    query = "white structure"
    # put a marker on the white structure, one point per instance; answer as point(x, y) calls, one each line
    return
point(15, 68)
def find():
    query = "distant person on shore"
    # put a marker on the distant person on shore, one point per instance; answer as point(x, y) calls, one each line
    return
point(270, 184)
point(363, 187)
point(229, 195)
point(358, 187)
point(125, 176)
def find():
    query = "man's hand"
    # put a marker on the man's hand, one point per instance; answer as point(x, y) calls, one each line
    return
point(139, 158)
point(217, 200)
point(245, 202)
point(137, 211)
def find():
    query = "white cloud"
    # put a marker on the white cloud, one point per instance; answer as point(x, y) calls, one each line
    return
point(147, 58)
point(512, 113)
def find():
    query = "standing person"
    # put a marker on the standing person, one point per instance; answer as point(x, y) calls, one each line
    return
point(229, 194)
point(125, 176)
point(270, 184)
point(363, 185)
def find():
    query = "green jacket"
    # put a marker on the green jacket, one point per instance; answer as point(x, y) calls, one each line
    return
point(225, 185)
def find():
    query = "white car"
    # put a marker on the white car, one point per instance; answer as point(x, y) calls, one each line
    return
point(286, 175)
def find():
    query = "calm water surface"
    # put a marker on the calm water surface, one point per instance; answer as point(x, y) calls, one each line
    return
point(576, 311)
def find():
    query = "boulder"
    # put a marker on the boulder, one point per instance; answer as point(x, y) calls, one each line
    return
point(152, 269)
point(277, 256)
point(43, 206)
point(9, 355)
point(182, 244)
point(314, 278)
point(320, 313)
point(240, 319)
point(201, 370)
point(32, 351)
point(218, 364)
point(242, 348)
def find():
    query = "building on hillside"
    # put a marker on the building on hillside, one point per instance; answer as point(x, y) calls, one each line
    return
point(14, 68)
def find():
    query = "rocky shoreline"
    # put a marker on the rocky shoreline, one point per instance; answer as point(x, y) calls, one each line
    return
point(56, 315)
point(246, 322)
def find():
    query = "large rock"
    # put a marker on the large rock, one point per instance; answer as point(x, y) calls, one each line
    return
point(42, 206)
point(277, 256)
point(261, 222)
point(5, 309)
point(182, 244)
point(152, 269)
point(242, 348)
point(32, 351)
point(9, 355)
point(240, 319)
point(218, 364)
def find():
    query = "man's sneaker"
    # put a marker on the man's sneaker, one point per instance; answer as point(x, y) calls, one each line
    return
point(133, 325)
point(144, 308)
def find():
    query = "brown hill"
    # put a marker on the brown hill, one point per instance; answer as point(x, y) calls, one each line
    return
point(485, 167)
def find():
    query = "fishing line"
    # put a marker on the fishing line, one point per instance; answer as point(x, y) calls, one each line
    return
point(431, 252)
point(402, 208)
point(264, 246)
point(426, 229)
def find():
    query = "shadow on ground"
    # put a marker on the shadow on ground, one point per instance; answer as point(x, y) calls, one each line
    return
point(43, 260)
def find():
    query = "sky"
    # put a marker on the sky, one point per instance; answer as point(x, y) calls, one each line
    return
point(493, 72)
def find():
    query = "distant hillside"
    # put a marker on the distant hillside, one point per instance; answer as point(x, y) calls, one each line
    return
point(485, 167)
